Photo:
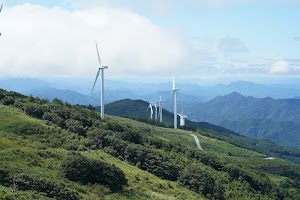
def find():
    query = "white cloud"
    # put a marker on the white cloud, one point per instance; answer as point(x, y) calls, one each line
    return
point(280, 67)
point(53, 41)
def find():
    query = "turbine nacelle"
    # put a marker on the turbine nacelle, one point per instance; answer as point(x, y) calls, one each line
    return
point(182, 117)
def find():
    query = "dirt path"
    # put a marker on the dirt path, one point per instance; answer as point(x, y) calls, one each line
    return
point(197, 142)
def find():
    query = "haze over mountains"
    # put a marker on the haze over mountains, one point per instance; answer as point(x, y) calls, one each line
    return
point(117, 90)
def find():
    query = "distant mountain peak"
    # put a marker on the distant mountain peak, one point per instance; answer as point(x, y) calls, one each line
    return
point(235, 94)
point(230, 96)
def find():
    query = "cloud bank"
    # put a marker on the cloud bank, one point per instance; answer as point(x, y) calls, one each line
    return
point(53, 41)
point(60, 41)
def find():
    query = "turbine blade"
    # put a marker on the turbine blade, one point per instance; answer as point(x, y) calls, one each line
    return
point(173, 83)
point(99, 60)
point(96, 80)
point(148, 107)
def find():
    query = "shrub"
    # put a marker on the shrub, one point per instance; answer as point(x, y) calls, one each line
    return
point(32, 182)
point(7, 100)
point(132, 136)
point(197, 180)
point(75, 127)
point(51, 189)
point(79, 168)
point(34, 109)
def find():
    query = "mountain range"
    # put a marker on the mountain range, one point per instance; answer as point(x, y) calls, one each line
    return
point(117, 90)
point(266, 118)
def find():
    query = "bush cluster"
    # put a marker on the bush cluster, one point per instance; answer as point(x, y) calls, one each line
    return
point(24, 181)
point(79, 168)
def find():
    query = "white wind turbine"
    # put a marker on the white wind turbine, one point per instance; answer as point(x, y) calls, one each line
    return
point(160, 109)
point(101, 68)
point(182, 117)
point(151, 110)
point(174, 91)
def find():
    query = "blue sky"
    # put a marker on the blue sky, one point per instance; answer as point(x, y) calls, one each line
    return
point(211, 39)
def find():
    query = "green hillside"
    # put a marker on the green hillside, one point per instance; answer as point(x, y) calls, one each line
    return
point(136, 109)
point(52, 150)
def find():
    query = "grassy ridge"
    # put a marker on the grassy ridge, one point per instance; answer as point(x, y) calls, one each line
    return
point(27, 154)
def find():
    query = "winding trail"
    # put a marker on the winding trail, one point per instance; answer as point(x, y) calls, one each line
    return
point(197, 141)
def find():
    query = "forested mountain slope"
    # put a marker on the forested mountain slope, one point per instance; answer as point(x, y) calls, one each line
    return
point(53, 150)
point(275, 119)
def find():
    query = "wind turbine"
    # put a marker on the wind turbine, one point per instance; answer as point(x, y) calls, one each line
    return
point(160, 109)
point(101, 68)
point(174, 91)
point(151, 109)
point(182, 117)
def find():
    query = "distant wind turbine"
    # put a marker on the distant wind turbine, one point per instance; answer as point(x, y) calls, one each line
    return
point(160, 110)
point(100, 69)
point(174, 91)
point(151, 110)
point(182, 117)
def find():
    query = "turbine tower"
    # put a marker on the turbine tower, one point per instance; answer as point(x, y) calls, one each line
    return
point(182, 117)
point(174, 91)
point(100, 69)
point(160, 110)
point(155, 106)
